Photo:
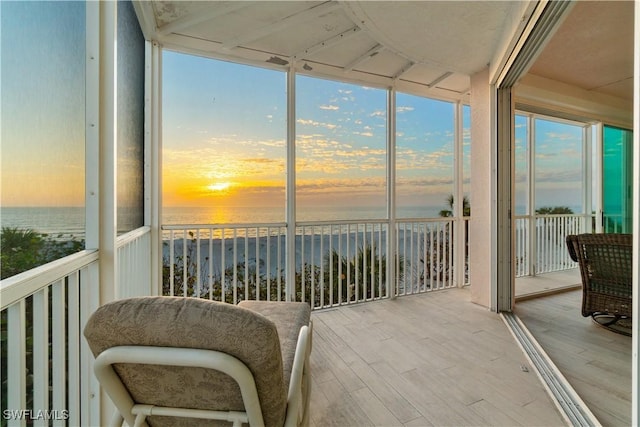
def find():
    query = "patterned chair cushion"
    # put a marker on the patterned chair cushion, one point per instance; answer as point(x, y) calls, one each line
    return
point(192, 323)
point(288, 317)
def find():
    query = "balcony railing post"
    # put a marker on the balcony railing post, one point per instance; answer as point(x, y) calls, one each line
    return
point(532, 235)
point(391, 193)
point(290, 251)
point(458, 240)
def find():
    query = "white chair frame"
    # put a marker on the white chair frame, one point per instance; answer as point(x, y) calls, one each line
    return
point(135, 414)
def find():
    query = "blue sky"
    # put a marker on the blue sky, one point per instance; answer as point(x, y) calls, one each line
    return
point(43, 103)
point(558, 163)
point(225, 130)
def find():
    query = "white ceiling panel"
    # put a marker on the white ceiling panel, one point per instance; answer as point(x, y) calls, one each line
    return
point(428, 46)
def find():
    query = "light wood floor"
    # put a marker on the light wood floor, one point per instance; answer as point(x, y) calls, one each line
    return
point(596, 362)
point(559, 281)
point(431, 359)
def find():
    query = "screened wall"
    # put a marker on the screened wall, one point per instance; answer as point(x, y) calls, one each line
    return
point(225, 153)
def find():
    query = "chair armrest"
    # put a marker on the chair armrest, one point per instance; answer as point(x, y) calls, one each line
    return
point(299, 385)
point(572, 246)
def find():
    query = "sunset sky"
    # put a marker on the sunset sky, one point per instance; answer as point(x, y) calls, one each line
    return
point(224, 133)
point(43, 104)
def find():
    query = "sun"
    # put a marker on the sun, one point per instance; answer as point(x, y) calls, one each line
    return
point(219, 186)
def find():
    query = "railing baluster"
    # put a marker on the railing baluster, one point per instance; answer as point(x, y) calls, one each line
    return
point(171, 263)
point(422, 262)
point(340, 272)
point(235, 266)
point(380, 261)
point(41, 351)
point(268, 263)
point(302, 260)
point(184, 263)
point(223, 267)
point(404, 261)
point(356, 265)
point(59, 362)
point(279, 275)
point(331, 254)
point(450, 250)
point(323, 284)
point(210, 275)
point(372, 261)
point(75, 332)
point(16, 363)
point(312, 292)
point(411, 258)
point(197, 285)
point(246, 264)
point(258, 264)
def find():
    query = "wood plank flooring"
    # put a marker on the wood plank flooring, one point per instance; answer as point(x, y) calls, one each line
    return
point(431, 359)
point(535, 286)
point(596, 362)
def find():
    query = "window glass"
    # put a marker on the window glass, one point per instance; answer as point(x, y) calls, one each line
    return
point(424, 157)
point(521, 165)
point(341, 134)
point(42, 133)
point(558, 167)
point(466, 157)
point(224, 142)
point(617, 180)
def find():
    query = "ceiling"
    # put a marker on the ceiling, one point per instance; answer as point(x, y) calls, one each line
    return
point(593, 49)
point(430, 47)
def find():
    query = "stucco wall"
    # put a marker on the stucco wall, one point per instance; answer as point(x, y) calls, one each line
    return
point(481, 246)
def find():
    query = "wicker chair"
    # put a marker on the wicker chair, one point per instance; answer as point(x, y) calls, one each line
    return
point(606, 267)
point(170, 361)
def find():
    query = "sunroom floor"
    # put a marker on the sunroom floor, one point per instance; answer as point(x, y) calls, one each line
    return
point(594, 360)
point(420, 360)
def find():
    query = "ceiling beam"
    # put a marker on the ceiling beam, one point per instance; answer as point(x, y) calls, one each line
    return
point(146, 18)
point(332, 41)
point(439, 79)
point(202, 14)
point(404, 70)
point(364, 57)
point(278, 24)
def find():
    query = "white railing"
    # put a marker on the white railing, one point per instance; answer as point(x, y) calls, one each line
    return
point(43, 313)
point(47, 365)
point(134, 263)
point(341, 263)
point(336, 263)
point(425, 255)
point(225, 262)
point(540, 243)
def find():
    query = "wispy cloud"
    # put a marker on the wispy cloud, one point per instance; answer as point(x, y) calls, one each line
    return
point(310, 122)
point(368, 134)
point(404, 109)
point(329, 107)
point(558, 136)
point(556, 176)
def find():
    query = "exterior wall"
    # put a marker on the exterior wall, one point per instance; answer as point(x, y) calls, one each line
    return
point(482, 226)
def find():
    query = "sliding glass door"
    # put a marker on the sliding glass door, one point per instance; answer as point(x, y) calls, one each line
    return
point(617, 180)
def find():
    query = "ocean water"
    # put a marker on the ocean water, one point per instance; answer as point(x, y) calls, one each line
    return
point(71, 220)
point(249, 215)
point(49, 220)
